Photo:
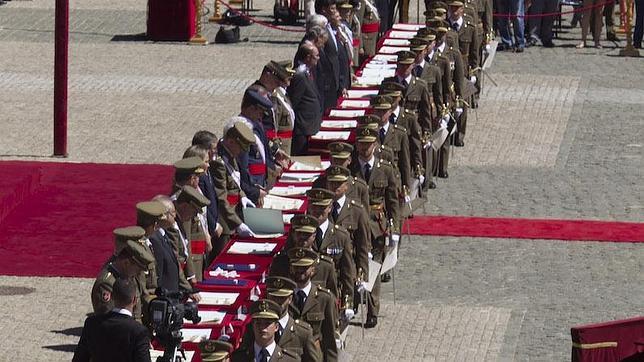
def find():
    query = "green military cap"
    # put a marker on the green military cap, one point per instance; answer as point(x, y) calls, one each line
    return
point(439, 7)
point(320, 197)
point(370, 120)
point(190, 165)
point(213, 350)
point(455, 3)
point(367, 135)
point(242, 134)
point(426, 34)
point(288, 66)
point(138, 253)
point(391, 89)
point(337, 173)
point(344, 4)
point(304, 223)
point(302, 256)
point(381, 102)
point(122, 235)
point(150, 210)
point(280, 70)
point(418, 44)
point(406, 57)
point(190, 195)
point(439, 25)
point(280, 286)
point(340, 149)
point(265, 309)
point(431, 14)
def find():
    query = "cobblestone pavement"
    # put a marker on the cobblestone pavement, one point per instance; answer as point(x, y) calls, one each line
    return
point(560, 136)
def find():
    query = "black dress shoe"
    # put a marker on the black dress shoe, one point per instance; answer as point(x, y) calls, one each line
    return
point(612, 37)
point(459, 143)
point(385, 278)
point(371, 322)
point(548, 44)
point(531, 42)
point(443, 174)
point(431, 185)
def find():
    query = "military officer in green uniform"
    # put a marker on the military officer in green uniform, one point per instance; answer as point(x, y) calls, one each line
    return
point(293, 334)
point(350, 214)
point(312, 303)
point(340, 153)
point(129, 260)
point(302, 235)
point(384, 208)
point(262, 345)
point(370, 26)
point(227, 178)
point(334, 241)
point(282, 109)
point(213, 350)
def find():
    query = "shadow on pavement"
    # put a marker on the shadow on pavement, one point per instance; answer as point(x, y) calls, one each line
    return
point(75, 331)
point(62, 347)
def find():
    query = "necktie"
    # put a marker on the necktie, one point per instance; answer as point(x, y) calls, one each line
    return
point(301, 299)
point(263, 355)
point(318, 238)
point(382, 136)
point(336, 211)
point(418, 70)
point(392, 118)
point(455, 26)
point(403, 81)
point(367, 172)
point(279, 332)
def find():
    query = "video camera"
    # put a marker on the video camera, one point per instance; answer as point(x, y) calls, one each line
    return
point(167, 312)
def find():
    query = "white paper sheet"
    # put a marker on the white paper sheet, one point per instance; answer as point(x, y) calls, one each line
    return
point(332, 135)
point(295, 177)
point(289, 190)
point(407, 27)
point(391, 50)
point(378, 65)
point(281, 203)
point(241, 247)
point(369, 80)
point(385, 57)
point(391, 258)
point(287, 218)
point(399, 34)
point(195, 335)
point(354, 103)
point(374, 273)
point(332, 123)
point(217, 298)
point(360, 93)
point(379, 73)
point(209, 316)
point(396, 42)
point(346, 113)
point(154, 354)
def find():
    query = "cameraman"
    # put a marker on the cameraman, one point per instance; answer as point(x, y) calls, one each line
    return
point(115, 336)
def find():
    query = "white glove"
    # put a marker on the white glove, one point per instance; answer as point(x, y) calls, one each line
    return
point(421, 178)
point(349, 314)
point(488, 47)
point(244, 230)
point(370, 256)
point(393, 240)
point(444, 121)
point(459, 111)
point(426, 146)
point(362, 287)
point(473, 79)
point(245, 201)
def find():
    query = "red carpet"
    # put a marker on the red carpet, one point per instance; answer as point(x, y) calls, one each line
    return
point(582, 230)
point(56, 219)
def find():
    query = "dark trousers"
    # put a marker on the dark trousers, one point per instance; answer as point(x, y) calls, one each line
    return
point(373, 299)
point(540, 28)
point(639, 23)
point(299, 145)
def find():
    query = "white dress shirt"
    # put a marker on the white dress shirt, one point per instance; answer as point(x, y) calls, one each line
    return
point(270, 348)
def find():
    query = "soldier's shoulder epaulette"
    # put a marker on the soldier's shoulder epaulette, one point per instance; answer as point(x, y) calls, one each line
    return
point(400, 128)
point(285, 352)
point(358, 181)
point(297, 323)
point(341, 229)
point(326, 258)
point(384, 163)
point(324, 290)
point(355, 203)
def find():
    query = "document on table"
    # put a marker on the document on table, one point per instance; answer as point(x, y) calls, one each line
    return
point(347, 113)
point(407, 27)
point(299, 177)
point(378, 65)
point(241, 247)
point(306, 163)
point(289, 190)
point(391, 50)
point(374, 273)
point(218, 298)
point(391, 258)
point(333, 123)
point(385, 57)
point(378, 72)
point(332, 135)
point(195, 335)
point(154, 354)
point(287, 218)
point(400, 34)
point(396, 42)
point(361, 93)
point(282, 203)
point(355, 103)
point(209, 316)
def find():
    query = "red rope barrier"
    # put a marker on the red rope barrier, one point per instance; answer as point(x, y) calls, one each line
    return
point(552, 14)
point(256, 21)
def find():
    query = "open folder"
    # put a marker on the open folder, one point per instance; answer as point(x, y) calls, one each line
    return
point(264, 221)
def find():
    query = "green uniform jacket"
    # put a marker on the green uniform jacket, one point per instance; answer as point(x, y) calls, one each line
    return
point(397, 139)
point(336, 244)
point(358, 189)
point(225, 185)
point(324, 272)
point(408, 119)
point(246, 353)
point(353, 217)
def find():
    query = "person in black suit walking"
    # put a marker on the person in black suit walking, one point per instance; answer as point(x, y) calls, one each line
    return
point(115, 336)
point(328, 69)
point(305, 98)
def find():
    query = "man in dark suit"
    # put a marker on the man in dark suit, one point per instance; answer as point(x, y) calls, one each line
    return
point(328, 70)
point(115, 336)
point(305, 99)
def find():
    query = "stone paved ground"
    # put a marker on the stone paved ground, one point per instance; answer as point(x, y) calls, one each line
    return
point(559, 137)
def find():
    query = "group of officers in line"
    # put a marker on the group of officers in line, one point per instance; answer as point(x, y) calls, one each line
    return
point(355, 209)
